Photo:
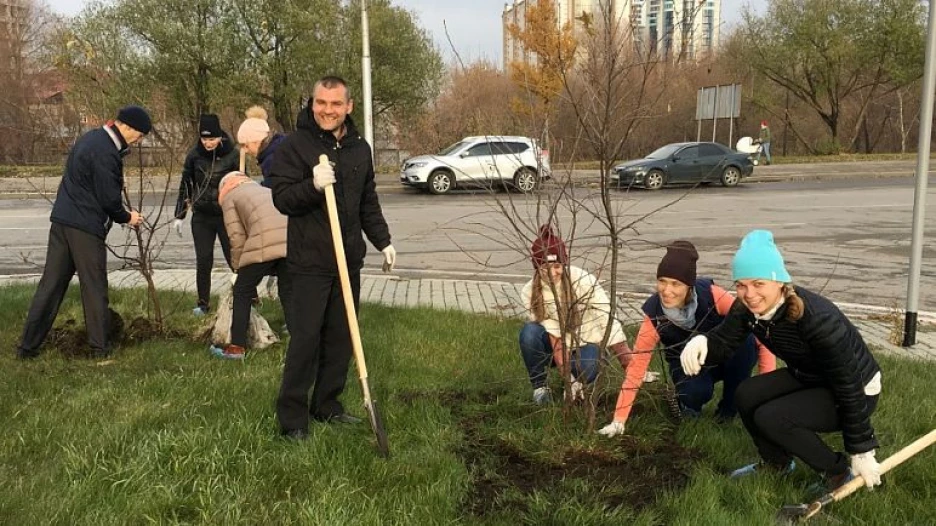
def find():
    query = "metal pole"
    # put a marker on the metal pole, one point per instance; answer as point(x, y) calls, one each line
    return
point(731, 118)
point(922, 174)
point(366, 77)
point(715, 114)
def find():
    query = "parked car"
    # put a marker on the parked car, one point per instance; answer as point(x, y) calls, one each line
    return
point(684, 163)
point(485, 161)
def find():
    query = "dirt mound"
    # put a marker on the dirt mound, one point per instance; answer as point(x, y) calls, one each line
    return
point(71, 339)
point(627, 472)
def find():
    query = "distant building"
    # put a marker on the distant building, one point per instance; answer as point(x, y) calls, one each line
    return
point(671, 28)
point(13, 18)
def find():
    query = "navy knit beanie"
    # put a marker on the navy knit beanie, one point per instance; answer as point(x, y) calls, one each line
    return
point(136, 118)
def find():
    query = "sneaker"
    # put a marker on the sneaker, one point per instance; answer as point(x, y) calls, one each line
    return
point(200, 310)
point(542, 396)
point(295, 435)
point(229, 352)
point(829, 483)
point(751, 469)
point(23, 354)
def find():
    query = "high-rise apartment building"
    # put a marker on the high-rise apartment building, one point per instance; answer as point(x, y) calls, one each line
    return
point(685, 29)
point(13, 15)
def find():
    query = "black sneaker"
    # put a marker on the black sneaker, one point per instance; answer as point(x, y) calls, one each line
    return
point(23, 354)
point(340, 418)
point(295, 435)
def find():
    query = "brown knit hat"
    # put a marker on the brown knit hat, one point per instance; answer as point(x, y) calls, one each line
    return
point(679, 262)
point(548, 248)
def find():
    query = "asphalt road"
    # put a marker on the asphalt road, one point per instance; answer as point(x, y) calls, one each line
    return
point(845, 235)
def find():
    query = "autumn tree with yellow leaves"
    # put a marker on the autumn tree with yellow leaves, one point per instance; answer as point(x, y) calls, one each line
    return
point(551, 51)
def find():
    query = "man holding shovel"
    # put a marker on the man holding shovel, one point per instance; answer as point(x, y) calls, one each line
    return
point(320, 345)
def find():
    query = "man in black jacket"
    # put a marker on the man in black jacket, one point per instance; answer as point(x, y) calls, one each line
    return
point(87, 204)
point(320, 342)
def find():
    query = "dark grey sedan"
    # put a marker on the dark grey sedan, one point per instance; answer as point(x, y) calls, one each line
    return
point(684, 163)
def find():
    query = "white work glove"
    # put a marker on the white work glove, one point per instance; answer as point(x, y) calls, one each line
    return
point(867, 467)
point(577, 390)
point(323, 174)
point(693, 355)
point(612, 430)
point(177, 226)
point(389, 258)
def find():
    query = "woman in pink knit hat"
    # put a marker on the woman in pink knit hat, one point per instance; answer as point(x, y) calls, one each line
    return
point(256, 138)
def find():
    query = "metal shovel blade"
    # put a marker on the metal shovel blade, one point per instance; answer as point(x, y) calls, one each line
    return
point(376, 422)
point(793, 513)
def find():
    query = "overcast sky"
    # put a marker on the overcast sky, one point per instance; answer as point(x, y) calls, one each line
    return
point(474, 26)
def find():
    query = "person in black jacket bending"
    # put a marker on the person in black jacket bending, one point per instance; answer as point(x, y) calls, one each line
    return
point(831, 381)
point(87, 204)
point(320, 342)
point(212, 158)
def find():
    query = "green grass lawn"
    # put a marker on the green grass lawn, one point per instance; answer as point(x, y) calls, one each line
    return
point(167, 434)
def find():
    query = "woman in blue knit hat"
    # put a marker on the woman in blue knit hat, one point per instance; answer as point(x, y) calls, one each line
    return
point(831, 381)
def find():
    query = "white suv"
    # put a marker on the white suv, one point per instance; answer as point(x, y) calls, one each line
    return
point(487, 161)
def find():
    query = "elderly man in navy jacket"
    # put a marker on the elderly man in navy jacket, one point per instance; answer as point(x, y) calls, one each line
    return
point(88, 203)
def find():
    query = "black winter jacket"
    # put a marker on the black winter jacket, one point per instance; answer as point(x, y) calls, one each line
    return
point(201, 174)
point(821, 349)
point(89, 196)
point(310, 248)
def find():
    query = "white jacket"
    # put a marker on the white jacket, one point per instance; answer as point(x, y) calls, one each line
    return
point(595, 314)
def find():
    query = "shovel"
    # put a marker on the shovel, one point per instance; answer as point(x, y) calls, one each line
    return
point(800, 512)
point(370, 405)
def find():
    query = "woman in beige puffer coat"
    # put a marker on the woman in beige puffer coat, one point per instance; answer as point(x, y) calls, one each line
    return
point(258, 248)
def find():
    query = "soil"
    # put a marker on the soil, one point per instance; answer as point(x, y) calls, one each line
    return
point(626, 472)
point(71, 339)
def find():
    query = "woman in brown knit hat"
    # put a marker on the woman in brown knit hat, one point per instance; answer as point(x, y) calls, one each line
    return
point(568, 310)
point(683, 306)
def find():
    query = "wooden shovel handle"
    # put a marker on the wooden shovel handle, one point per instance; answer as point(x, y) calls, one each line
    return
point(243, 160)
point(888, 464)
point(342, 262)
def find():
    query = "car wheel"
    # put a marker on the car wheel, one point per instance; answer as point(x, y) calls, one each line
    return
point(440, 182)
point(731, 176)
point(654, 180)
point(526, 180)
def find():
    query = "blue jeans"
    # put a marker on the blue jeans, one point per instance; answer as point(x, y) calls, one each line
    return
point(537, 352)
point(694, 392)
point(765, 149)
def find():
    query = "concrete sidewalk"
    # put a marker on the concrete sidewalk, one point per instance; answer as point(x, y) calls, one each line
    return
point(501, 299)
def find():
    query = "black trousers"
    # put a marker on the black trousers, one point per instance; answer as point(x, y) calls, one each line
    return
point(245, 290)
point(205, 229)
point(319, 350)
point(70, 250)
point(785, 416)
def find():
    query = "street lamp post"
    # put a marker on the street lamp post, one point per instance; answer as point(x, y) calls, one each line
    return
point(922, 175)
point(366, 78)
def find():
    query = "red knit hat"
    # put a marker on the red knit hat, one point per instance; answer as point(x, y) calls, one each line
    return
point(763, 123)
point(548, 248)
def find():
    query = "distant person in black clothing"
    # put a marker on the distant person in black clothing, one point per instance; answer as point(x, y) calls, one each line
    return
point(320, 342)
point(213, 157)
point(88, 202)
